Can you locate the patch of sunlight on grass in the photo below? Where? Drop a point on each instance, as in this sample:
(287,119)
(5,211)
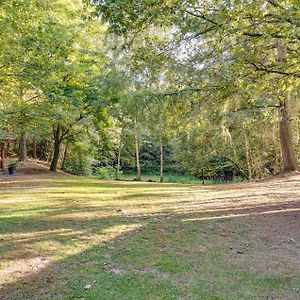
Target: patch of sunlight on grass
(129,240)
(86,241)
(54,250)
(229,216)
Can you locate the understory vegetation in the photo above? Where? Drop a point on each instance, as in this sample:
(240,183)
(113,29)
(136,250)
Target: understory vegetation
(206,89)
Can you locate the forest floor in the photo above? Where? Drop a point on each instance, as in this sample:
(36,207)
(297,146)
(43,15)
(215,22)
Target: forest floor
(68,237)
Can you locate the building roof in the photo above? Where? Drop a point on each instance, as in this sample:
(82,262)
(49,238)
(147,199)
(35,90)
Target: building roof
(7,137)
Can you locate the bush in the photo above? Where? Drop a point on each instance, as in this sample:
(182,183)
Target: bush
(105,172)
(78,165)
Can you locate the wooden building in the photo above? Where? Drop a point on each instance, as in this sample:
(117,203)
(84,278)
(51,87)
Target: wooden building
(5,139)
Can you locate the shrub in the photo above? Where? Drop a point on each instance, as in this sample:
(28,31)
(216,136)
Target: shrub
(78,164)
(105,172)
(13,164)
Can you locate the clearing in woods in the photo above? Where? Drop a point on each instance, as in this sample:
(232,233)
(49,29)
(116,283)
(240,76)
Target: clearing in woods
(67,237)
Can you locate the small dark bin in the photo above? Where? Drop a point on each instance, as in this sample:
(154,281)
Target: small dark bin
(12,170)
(12,167)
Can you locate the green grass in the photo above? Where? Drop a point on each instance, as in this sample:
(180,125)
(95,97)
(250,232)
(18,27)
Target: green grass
(171,178)
(131,240)
(175,178)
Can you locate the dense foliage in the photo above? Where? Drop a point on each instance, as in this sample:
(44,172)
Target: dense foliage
(207,88)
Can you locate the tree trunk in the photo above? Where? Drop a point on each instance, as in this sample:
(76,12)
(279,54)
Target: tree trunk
(161,177)
(285,130)
(64,157)
(2,159)
(49,156)
(34,149)
(286,137)
(137,150)
(48,152)
(56,152)
(22,147)
(118,162)
(247,152)
(120,151)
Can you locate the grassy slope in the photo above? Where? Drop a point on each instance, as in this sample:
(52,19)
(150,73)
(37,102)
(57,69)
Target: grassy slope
(147,241)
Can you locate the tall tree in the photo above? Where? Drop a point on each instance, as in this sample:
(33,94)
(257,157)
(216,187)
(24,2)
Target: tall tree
(241,35)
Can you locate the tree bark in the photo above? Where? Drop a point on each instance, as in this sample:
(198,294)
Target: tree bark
(48,153)
(56,150)
(119,152)
(49,156)
(22,147)
(161,177)
(247,154)
(34,149)
(137,150)
(64,157)
(286,137)
(2,158)
(285,129)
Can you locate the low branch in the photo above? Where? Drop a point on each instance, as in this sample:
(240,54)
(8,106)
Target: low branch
(272,35)
(265,69)
(201,16)
(257,107)
(65,132)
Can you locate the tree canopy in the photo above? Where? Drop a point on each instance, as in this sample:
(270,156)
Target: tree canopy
(197,87)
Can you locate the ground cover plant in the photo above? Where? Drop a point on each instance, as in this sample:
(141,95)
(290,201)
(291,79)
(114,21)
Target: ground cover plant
(69,237)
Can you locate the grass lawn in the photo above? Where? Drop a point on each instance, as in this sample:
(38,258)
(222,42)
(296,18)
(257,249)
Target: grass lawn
(70,237)
(168,178)
(174,178)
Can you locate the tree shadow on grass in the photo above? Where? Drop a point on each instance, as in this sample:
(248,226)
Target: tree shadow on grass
(168,255)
